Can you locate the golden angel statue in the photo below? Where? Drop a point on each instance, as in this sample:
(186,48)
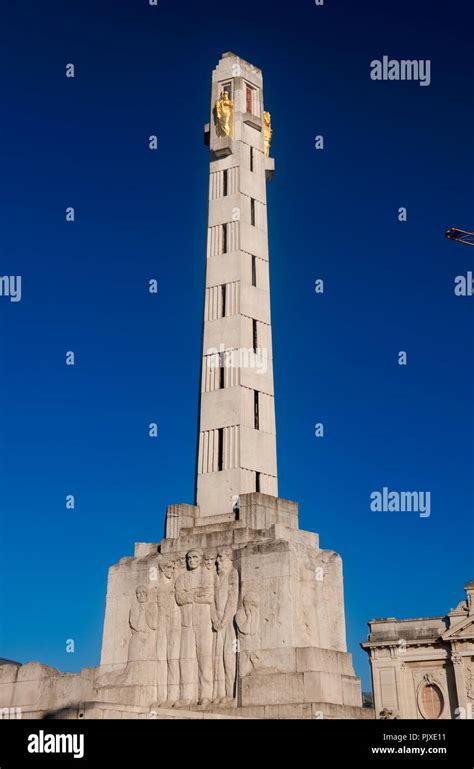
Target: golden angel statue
(223,114)
(267,132)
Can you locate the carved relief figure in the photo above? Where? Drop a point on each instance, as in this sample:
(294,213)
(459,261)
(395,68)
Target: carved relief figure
(141,652)
(247,618)
(195,595)
(223,112)
(168,632)
(209,560)
(226,593)
(388,715)
(267,132)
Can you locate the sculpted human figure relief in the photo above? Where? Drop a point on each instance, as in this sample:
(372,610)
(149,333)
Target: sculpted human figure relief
(223,114)
(247,618)
(195,595)
(168,632)
(226,594)
(141,652)
(386,714)
(140,616)
(267,132)
(209,560)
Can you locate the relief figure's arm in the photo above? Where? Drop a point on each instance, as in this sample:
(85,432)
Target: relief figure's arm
(204,595)
(232,600)
(183,596)
(132,620)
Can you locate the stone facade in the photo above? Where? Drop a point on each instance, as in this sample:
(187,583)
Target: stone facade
(424,668)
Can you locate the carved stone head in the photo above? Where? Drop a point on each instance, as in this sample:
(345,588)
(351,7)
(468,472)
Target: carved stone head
(224,561)
(142,594)
(167,568)
(194,559)
(209,560)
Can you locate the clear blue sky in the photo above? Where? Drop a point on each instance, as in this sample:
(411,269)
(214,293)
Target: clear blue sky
(143,70)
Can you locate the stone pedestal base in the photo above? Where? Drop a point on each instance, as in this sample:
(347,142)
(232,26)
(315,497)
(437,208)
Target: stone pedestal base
(289,627)
(279,651)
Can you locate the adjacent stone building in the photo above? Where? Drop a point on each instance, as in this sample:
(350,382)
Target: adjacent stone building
(424,668)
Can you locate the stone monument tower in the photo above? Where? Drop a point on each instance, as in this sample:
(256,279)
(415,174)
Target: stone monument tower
(251,609)
(236,612)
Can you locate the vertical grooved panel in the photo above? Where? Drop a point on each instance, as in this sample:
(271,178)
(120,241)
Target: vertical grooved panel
(201,444)
(227,447)
(232,447)
(211,371)
(216,183)
(268,485)
(264,339)
(247,406)
(213,305)
(204,453)
(262,274)
(215,453)
(267,413)
(208,444)
(247,268)
(247,485)
(215,239)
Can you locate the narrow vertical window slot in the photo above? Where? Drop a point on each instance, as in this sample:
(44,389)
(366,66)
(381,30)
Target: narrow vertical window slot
(254,335)
(251,158)
(254,270)
(257,481)
(221,370)
(252,212)
(256,416)
(223,299)
(224,238)
(220,448)
(225,183)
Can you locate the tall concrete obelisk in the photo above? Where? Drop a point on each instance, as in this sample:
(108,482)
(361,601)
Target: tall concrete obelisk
(237,436)
(236,610)
(256,604)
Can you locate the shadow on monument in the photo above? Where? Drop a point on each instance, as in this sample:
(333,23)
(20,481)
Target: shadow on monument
(73,711)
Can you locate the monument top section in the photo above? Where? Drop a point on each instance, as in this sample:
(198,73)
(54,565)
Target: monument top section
(243,62)
(237,433)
